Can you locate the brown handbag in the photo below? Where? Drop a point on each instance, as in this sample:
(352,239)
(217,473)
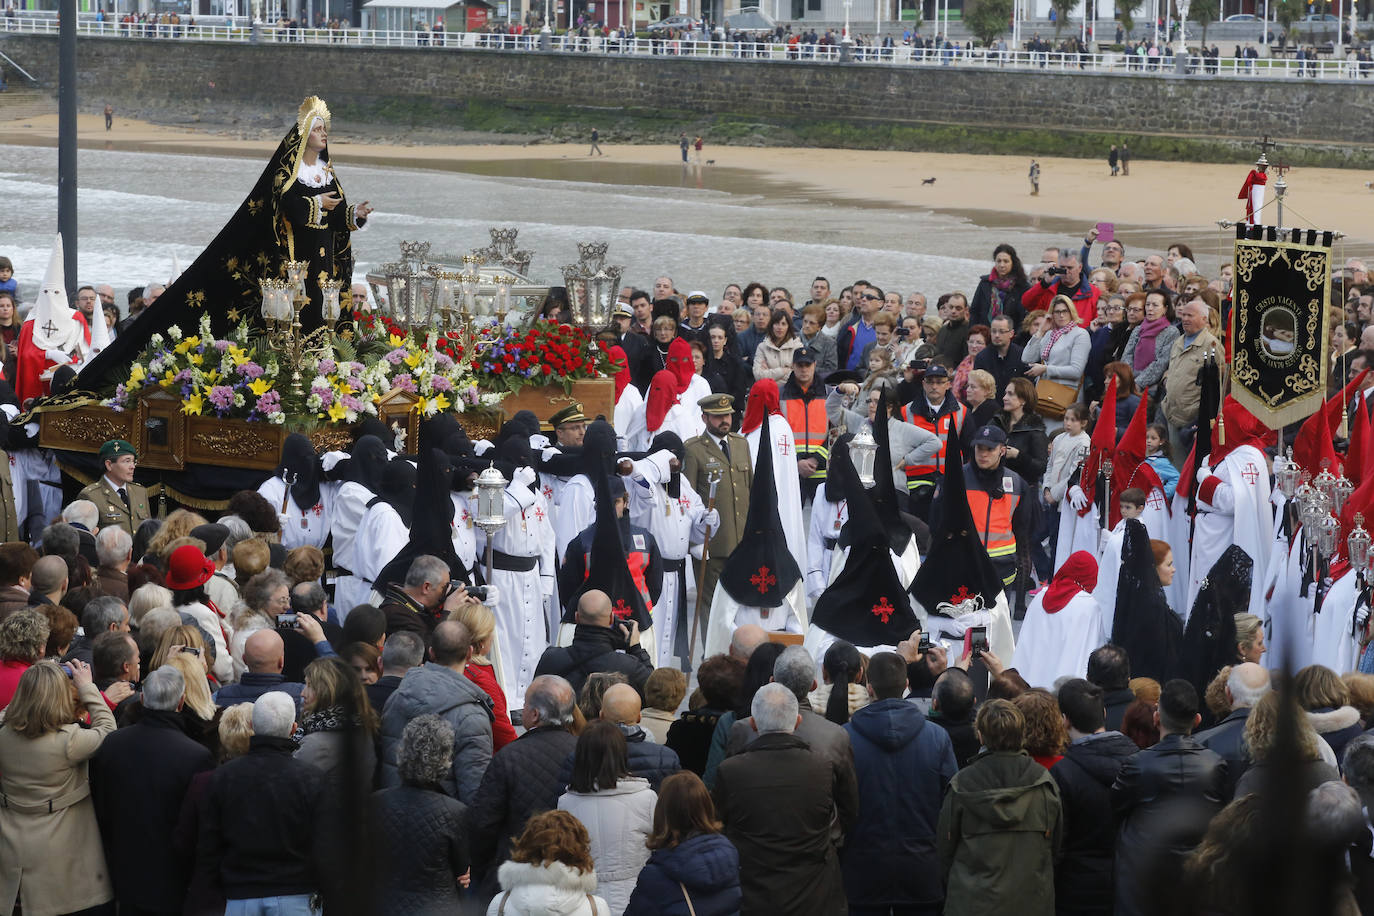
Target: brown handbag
(1052,398)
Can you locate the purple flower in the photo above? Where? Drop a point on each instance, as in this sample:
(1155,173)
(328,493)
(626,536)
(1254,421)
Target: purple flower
(222,397)
(327,366)
(221,345)
(249,369)
(441,383)
(404,382)
(442,361)
(396,356)
(351,402)
(269,402)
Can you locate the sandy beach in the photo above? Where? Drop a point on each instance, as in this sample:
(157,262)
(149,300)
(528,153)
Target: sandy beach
(1166,196)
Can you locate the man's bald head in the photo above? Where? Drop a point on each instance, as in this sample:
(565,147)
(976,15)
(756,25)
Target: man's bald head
(1247,684)
(594,608)
(621,705)
(49,575)
(264,652)
(746,639)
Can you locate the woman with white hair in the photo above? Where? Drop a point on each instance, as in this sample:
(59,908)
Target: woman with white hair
(420,841)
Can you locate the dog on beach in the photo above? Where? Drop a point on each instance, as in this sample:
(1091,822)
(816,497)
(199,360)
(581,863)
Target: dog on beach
(927,181)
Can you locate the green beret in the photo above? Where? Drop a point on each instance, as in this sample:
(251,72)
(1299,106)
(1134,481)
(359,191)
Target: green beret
(116,448)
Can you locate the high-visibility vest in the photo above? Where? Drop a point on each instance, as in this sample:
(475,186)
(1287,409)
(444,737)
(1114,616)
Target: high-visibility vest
(637,561)
(923,475)
(992,520)
(810,428)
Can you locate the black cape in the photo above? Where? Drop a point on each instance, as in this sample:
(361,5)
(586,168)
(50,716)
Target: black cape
(957,568)
(866,603)
(760,572)
(1144,626)
(431,526)
(1209,640)
(884,493)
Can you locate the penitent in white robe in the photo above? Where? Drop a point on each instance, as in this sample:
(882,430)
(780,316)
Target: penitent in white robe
(350,505)
(787,482)
(1235,510)
(1057,645)
(305,525)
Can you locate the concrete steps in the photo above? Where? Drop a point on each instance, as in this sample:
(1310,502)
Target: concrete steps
(22,101)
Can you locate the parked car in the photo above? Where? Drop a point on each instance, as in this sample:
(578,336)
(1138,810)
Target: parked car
(673,23)
(1242,17)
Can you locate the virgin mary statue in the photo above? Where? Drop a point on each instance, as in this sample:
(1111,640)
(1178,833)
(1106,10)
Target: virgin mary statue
(296,211)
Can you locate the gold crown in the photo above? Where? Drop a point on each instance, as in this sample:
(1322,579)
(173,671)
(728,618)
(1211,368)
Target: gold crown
(313,107)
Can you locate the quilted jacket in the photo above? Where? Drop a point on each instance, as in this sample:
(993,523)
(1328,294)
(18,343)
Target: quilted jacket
(619,820)
(521,781)
(421,849)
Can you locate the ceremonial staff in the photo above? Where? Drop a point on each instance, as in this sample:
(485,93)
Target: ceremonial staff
(714,479)
(286,489)
(1208,414)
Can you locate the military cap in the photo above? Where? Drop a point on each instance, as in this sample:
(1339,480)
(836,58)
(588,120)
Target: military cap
(717,404)
(116,448)
(570,414)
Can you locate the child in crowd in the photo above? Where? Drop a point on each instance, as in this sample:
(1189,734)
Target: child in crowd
(1157,453)
(7,282)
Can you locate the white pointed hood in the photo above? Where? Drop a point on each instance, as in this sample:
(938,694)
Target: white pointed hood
(55,325)
(100,333)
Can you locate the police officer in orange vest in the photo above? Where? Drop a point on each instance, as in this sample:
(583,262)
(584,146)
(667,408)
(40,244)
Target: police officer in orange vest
(803,404)
(935,410)
(1000,504)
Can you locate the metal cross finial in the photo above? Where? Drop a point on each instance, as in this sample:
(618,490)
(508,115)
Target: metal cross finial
(1281,168)
(1265,146)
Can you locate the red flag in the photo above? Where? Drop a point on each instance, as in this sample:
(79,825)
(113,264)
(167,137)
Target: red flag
(1103,444)
(1314,441)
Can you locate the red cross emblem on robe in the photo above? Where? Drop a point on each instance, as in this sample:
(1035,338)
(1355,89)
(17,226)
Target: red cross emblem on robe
(1251,473)
(621,610)
(763,580)
(539,513)
(883,610)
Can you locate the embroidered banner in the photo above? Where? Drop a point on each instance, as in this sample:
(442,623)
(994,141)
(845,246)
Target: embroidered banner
(1278,323)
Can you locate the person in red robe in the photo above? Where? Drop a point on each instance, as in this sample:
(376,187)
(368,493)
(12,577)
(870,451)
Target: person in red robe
(1252,192)
(55,335)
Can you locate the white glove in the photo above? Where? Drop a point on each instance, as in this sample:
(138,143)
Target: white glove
(711,519)
(283,521)
(482,446)
(523,475)
(539,441)
(329,459)
(1078,500)
(57,356)
(549,453)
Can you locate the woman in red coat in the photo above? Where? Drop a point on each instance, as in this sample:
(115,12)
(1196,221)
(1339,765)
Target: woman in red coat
(481,623)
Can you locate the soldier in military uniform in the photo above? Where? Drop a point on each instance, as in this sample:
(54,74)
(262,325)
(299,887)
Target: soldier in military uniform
(719,451)
(120,501)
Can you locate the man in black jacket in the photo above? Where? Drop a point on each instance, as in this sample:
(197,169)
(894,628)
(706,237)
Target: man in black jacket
(1083,877)
(597,646)
(523,778)
(1164,797)
(1245,686)
(261,833)
(951,708)
(1110,668)
(139,778)
(1001,357)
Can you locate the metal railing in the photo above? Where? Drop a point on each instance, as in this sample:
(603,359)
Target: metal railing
(901,55)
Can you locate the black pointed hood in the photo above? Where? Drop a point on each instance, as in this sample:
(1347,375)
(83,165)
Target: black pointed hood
(608,568)
(1143,623)
(761,571)
(301,465)
(1209,639)
(431,527)
(957,568)
(398,488)
(866,603)
(365,465)
(884,494)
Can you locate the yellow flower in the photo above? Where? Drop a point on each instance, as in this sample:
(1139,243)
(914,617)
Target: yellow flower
(169,379)
(211,376)
(193,404)
(238,354)
(259,386)
(197,359)
(414,359)
(397,341)
(441,402)
(137,374)
(337,411)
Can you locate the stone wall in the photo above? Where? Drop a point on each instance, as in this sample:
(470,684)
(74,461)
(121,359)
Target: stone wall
(396,84)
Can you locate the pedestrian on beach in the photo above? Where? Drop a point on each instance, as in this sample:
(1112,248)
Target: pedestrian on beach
(1112,161)
(1035,178)
(1125,159)
(596,145)
(683,144)
(109,117)
(698,145)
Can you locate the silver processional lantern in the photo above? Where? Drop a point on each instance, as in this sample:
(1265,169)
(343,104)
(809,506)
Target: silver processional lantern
(592,285)
(1341,491)
(1357,545)
(863,449)
(1328,536)
(491,506)
(1287,473)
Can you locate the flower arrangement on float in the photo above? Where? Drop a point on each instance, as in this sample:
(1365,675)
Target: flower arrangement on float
(239,377)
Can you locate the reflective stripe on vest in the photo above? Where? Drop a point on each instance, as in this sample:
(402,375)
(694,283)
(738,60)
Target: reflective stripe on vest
(940,428)
(810,429)
(992,519)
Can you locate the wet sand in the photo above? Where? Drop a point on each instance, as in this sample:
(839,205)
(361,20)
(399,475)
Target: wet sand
(1158,203)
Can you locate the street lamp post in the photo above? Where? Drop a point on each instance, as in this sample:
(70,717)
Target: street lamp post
(846,42)
(546,33)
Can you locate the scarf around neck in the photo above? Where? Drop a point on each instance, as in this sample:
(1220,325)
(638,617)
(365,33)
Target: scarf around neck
(1145,346)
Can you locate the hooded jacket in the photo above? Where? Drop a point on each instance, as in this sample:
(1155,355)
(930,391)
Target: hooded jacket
(704,866)
(1001,826)
(443,692)
(1083,878)
(547,889)
(903,764)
